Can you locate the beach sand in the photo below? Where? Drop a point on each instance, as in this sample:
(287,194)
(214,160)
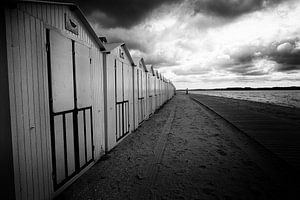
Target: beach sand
(184,151)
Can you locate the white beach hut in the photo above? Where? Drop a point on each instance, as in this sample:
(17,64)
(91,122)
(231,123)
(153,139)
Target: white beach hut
(119,93)
(140,84)
(151,99)
(157,89)
(52,96)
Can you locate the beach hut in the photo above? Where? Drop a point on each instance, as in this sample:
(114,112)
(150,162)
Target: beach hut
(157,90)
(119,93)
(52,119)
(153,89)
(169,90)
(166,89)
(160,89)
(151,82)
(140,83)
(163,90)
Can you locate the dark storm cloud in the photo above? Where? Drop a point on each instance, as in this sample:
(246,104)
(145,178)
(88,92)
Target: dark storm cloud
(242,61)
(127,13)
(131,43)
(287,68)
(119,13)
(231,8)
(285,54)
(247,69)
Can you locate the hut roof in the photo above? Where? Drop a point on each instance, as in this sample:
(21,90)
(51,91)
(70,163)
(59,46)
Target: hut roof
(75,9)
(111,46)
(138,60)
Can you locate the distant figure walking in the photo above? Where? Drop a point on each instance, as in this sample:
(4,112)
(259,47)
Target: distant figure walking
(187,91)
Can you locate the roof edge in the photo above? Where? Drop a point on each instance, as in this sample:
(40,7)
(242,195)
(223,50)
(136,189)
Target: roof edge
(80,14)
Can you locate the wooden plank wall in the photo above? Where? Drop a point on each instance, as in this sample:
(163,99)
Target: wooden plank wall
(53,15)
(135,97)
(111,100)
(29,105)
(98,102)
(28,93)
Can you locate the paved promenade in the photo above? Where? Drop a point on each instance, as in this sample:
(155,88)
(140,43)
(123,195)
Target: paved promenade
(280,134)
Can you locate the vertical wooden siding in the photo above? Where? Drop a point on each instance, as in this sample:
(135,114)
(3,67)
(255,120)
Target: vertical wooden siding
(29,101)
(98,102)
(29,105)
(54,15)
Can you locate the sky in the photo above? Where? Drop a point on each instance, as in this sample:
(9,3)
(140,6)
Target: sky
(207,43)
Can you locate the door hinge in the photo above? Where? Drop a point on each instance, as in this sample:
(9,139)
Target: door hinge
(53,176)
(47,47)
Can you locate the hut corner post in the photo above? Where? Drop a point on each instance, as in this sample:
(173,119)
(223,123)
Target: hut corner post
(6,166)
(105,101)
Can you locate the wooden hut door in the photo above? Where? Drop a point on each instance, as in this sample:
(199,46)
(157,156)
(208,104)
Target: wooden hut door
(122,83)
(140,96)
(70,106)
(149,95)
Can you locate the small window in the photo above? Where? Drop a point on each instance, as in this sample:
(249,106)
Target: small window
(71,25)
(121,53)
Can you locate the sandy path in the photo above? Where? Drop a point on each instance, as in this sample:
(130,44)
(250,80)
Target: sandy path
(199,160)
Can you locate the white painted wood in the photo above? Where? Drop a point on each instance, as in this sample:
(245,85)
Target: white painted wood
(61,72)
(14,122)
(83,75)
(29,96)
(36,128)
(19,108)
(47,160)
(88,135)
(25,99)
(40,109)
(81,138)
(59,148)
(70,143)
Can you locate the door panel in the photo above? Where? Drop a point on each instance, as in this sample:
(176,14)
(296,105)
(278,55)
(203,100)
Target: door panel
(81,138)
(126,76)
(70,143)
(70,116)
(59,148)
(89,139)
(61,72)
(83,75)
(119,81)
(122,99)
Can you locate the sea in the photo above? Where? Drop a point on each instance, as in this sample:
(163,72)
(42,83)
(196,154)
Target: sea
(289,98)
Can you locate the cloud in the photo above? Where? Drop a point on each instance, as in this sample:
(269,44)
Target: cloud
(211,43)
(119,13)
(194,70)
(284,48)
(159,61)
(258,60)
(286,54)
(231,8)
(128,13)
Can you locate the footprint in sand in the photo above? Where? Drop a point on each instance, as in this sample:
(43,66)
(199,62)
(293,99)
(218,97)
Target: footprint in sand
(221,152)
(202,139)
(208,191)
